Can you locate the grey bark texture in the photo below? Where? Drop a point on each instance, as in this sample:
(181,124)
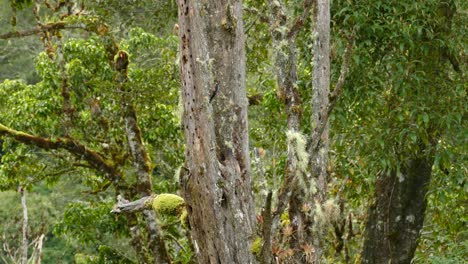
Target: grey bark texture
(320,93)
(24,245)
(216,184)
(397,215)
(286,77)
(141,162)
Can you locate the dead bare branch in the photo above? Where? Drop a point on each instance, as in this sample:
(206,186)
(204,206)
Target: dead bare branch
(124,206)
(334,95)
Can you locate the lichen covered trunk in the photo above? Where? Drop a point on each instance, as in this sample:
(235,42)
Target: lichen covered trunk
(397,215)
(217,181)
(320,101)
(320,93)
(143,186)
(285,60)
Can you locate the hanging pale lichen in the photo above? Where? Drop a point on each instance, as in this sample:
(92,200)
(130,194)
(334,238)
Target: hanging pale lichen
(325,215)
(297,145)
(331,211)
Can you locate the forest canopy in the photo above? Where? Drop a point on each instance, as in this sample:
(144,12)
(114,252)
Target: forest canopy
(285,131)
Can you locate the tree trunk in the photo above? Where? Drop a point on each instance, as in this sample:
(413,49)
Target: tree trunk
(24,245)
(397,216)
(217,181)
(320,93)
(320,104)
(286,77)
(142,166)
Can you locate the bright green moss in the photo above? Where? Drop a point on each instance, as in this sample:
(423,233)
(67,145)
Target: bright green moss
(168,204)
(256,247)
(184,220)
(285,219)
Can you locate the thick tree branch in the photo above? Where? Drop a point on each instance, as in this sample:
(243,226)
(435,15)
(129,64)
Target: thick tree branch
(333,96)
(124,206)
(140,160)
(41,28)
(72,146)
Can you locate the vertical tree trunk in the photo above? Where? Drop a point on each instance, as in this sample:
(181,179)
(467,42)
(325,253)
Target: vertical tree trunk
(142,166)
(320,93)
(286,77)
(397,216)
(24,245)
(217,182)
(320,102)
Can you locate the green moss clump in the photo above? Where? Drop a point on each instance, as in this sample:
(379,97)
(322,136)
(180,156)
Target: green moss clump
(256,247)
(184,220)
(168,204)
(285,219)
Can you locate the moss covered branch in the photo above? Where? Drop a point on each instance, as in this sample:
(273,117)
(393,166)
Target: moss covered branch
(163,204)
(94,158)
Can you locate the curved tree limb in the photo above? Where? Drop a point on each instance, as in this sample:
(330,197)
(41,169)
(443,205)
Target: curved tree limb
(74,147)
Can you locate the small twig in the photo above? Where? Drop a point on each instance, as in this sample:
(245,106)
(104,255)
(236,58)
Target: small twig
(101,188)
(261,172)
(176,241)
(341,189)
(344,71)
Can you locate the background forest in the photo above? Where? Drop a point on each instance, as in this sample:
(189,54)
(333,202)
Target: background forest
(91,108)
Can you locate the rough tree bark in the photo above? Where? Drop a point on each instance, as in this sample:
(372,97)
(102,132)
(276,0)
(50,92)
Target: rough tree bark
(216,183)
(24,245)
(141,163)
(397,216)
(320,102)
(285,58)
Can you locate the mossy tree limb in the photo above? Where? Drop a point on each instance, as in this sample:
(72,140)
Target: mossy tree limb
(74,147)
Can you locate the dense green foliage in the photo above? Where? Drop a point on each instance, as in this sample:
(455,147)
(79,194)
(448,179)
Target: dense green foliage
(405,96)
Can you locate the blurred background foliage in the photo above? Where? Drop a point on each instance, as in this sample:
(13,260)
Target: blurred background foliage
(397,97)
